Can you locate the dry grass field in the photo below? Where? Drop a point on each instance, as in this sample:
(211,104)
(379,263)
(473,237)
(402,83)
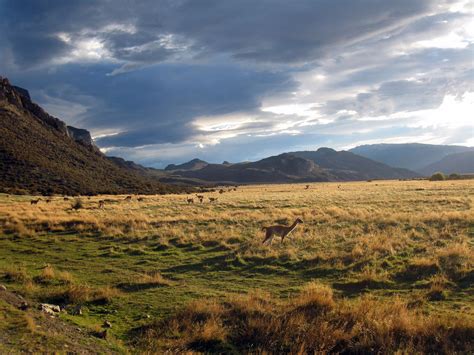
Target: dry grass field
(379,267)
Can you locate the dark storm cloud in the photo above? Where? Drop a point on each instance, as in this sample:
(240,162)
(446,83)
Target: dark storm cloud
(157,104)
(142,73)
(271,31)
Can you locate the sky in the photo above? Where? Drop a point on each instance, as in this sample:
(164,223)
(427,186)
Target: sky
(161,82)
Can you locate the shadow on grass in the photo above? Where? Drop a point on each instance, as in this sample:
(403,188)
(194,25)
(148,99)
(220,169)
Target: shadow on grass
(136,287)
(362,285)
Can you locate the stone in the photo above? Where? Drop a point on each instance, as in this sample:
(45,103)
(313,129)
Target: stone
(103,334)
(77,311)
(50,309)
(107,324)
(3,288)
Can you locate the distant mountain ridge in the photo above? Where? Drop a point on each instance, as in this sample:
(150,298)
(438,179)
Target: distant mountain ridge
(413,156)
(41,154)
(325,164)
(194,164)
(460,163)
(349,166)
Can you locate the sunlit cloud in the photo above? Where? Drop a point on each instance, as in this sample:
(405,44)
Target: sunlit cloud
(163,81)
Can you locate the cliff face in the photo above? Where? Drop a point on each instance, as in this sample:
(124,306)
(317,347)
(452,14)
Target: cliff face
(39,153)
(19,98)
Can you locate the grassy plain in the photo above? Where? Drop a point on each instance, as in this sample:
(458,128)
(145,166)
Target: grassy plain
(377,266)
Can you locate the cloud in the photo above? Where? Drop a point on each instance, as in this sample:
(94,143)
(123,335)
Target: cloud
(243,78)
(153,31)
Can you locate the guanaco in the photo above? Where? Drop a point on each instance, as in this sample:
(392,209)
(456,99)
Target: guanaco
(190,200)
(279,230)
(34,202)
(128,198)
(101,204)
(212,199)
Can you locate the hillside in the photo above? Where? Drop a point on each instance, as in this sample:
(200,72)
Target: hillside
(194,164)
(324,164)
(461,163)
(413,156)
(41,154)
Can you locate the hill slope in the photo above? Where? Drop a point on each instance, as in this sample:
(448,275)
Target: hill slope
(413,156)
(40,154)
(462,163)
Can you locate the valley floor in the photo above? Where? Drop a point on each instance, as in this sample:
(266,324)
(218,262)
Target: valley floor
(376,266)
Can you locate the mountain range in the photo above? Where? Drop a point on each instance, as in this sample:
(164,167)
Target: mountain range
(422,158)
(324,164)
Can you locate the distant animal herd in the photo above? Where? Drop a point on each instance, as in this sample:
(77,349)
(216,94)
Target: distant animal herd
(270,231)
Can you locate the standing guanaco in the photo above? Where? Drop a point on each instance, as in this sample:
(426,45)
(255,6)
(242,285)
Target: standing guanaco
(279,230)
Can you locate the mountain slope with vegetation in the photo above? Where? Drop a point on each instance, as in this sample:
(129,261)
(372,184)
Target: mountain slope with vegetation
(40,154)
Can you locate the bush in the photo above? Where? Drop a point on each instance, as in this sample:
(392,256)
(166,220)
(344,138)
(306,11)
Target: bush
(77,204)
(454,176)
(437,177)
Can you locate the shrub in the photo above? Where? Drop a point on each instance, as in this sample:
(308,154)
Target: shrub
(77,294)
(454,176)
(77,204)
(17,275)
(153,278)
(455,259)
(438,286)
(438,177)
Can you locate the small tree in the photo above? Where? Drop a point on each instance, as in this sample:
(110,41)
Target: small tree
(437,177)
(454,176)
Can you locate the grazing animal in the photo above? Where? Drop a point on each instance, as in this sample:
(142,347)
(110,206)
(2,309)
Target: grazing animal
(212,199)
(221,191)
(307,187)
(281,231)
(101,204)
(34,202)
(190,200)
(66,198)
(128,198)
(140,199)
(48,200)
(200,197)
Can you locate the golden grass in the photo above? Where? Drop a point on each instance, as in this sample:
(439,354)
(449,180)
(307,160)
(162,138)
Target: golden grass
(82,293)
(152,278)
(17,274)
(412,238)
(309,322)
